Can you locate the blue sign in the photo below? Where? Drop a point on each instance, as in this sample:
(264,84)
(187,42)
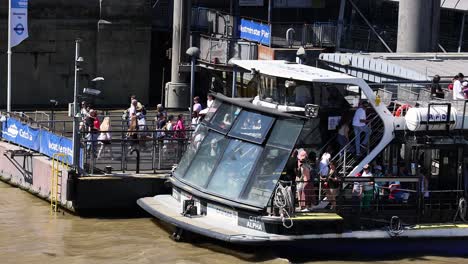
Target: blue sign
(255,31)
(52,144)
(21,134)
(38,140)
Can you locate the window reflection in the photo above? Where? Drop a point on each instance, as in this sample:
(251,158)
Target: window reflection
(266,176)
(225,116)
(212,110)
(202,165)
(285,133)
(234,169)
(252,126)
(195,142)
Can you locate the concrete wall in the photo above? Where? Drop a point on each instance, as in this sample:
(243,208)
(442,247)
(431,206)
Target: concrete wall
(42,66)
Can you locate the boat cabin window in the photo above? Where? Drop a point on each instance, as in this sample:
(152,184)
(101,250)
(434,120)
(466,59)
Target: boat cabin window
(198,135)
(245,164)
(206,158)
(273,161)
(212,110)
(252,126)
(299,93)
(224,117)
(234,168)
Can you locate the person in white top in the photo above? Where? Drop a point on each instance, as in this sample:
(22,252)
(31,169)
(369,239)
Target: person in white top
(360,125)
(458,89)
(105,138)
(210,100)
(324,162)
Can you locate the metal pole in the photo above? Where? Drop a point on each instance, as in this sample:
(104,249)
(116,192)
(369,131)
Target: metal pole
(340,24)
(76,138)
(192,84)
(9,59)
(270,10)
(460,41)
(234,81)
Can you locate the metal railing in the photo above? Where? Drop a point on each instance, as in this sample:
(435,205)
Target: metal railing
(219,50)
(318,34)
(136,151)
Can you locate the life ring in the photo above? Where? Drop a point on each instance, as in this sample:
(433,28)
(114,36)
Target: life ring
(399,111)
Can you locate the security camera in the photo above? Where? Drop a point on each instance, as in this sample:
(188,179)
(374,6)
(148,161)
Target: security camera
(53,102)
(80,59)
(91,91)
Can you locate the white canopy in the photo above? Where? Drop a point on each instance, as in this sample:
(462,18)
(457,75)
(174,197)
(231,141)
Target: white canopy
(288,70)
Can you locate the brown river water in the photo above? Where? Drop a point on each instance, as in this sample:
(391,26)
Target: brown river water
(30,234)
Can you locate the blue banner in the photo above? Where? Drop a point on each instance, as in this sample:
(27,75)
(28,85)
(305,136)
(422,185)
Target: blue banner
(21,134)
(255,31)
(52,144)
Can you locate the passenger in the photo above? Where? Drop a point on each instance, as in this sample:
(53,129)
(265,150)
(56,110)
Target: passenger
(196,104)
(132,132)
(132,110)
(333,184)
(450,86)
(105,138)
(195,119)
(303,95)
(465,89)
(378,185)
(161,125)
(457,88)
(343,131)
(305,187)
(423,175)
(436,89)
(84,111)
(160,111)
(325,161)
(357,195)
(367,188)
(179,127)
(209,100)
(360,125)
(92,125)
(170,126)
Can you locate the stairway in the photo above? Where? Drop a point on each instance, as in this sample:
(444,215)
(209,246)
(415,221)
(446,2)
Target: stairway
(346,161)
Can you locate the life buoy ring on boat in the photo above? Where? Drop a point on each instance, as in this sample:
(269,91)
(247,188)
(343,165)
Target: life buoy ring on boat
(399,111)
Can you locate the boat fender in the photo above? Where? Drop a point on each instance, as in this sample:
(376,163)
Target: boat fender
(461,211)
(399,111)
(395,229)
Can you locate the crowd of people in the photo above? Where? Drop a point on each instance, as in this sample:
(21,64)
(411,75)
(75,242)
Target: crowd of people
(458,87)
(99,137)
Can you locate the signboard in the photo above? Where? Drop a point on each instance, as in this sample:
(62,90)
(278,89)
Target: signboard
(21,134)
(52,144)
(18,21)
(265,53)
(250,2)
(333,122)
(255,31)
(299,3)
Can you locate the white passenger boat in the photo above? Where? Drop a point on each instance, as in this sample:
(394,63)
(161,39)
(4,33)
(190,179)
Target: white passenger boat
(233,183)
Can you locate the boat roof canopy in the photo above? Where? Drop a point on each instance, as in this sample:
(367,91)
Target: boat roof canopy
(294,71)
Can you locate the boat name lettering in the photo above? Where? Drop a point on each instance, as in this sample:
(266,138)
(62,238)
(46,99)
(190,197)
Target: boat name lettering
(437,117)
(252,222)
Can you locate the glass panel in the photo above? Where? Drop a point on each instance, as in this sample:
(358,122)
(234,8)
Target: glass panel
(252,126)
(195,142)
(234,169)
(266,176)
(212,110)
(203,163)
(225,116)
(285,133)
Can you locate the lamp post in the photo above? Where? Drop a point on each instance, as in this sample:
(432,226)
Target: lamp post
(193,52)
(53,105)
(76,139)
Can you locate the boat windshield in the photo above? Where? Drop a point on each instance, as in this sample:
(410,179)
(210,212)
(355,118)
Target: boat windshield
(241,161)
